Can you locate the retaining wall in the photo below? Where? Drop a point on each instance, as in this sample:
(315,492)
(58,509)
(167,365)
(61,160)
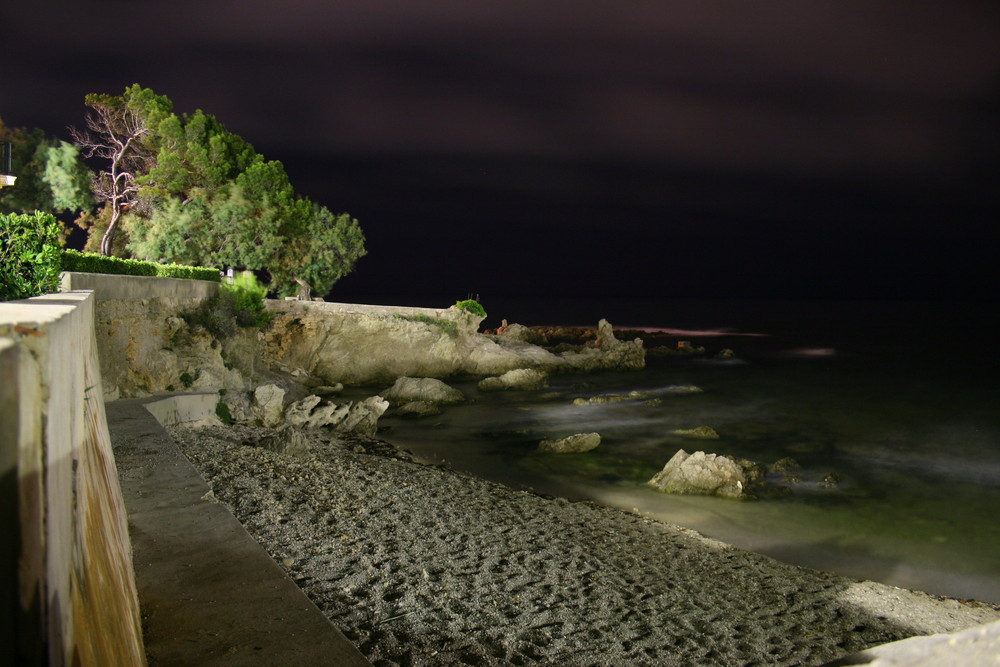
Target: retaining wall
(109,287)
(69,591)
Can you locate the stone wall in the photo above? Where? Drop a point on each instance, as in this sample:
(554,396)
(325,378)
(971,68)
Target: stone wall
(69,594)
(107,287)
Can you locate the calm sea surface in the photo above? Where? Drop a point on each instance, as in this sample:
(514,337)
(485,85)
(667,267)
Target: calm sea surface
(898,400)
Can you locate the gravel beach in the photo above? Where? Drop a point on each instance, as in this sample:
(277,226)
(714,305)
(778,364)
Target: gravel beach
(420,565)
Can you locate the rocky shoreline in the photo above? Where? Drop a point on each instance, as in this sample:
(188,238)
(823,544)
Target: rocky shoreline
(420,565)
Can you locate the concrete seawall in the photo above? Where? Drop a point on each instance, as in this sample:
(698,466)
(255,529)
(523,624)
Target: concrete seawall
(70,587)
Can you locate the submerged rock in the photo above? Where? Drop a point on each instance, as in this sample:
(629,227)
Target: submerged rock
(603,399)
(581,442)
(519,379)
(428,390)
(418,409)
(788,469)
(699,432)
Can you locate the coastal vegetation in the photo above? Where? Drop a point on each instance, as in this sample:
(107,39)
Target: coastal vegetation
(180,189)
(237,305)
(185,189)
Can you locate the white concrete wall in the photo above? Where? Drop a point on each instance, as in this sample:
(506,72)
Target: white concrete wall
(76,595)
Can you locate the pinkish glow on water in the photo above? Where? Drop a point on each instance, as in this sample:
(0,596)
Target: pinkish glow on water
(812,352)
(694,333)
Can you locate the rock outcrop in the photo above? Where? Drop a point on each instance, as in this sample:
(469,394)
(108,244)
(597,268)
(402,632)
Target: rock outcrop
(362,417)
(707,474)
(519,379)
(313,412)
(146,347)
(268,404)
(581,442)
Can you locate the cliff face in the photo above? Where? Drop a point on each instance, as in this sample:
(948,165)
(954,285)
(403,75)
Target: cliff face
(146,347)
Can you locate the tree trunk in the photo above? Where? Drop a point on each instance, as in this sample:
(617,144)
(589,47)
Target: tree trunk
(108,240)
(305,292)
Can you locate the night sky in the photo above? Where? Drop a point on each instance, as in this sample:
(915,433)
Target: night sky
(796,149)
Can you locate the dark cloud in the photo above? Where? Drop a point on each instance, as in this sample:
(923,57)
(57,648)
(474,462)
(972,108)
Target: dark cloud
(686,123)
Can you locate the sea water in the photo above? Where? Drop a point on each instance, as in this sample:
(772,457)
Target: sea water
(897,400)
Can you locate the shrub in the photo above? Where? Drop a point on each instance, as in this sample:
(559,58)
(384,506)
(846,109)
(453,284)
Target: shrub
(248,300)
(471,306)
(238,305)
(29,255)
(223,413)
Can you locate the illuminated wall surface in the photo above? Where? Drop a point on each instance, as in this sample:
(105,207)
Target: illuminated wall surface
(69,594)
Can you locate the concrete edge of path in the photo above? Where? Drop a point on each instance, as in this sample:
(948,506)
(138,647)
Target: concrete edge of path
(210,595)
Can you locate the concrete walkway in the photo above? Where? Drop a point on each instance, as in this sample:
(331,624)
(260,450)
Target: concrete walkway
(209,593)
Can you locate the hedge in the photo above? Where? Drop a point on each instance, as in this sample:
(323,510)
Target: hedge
(73,260)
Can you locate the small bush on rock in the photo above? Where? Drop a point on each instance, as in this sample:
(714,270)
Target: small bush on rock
(222,412)
(471,306)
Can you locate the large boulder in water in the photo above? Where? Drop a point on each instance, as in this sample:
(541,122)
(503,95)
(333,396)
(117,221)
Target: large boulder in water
(706,474)
(429,390)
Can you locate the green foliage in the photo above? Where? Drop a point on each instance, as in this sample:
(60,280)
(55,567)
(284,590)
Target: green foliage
(67,177)
(206,197)
(248,299)
(238,305)
(50,174)
(450,327)
(187,379)
(471,306)
(73,260)
(223,413)
(29,255)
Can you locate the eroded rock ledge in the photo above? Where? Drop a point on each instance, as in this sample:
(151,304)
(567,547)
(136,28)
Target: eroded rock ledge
(146,347)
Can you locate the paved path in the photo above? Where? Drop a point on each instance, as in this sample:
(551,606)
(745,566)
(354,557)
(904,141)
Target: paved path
(209,593)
